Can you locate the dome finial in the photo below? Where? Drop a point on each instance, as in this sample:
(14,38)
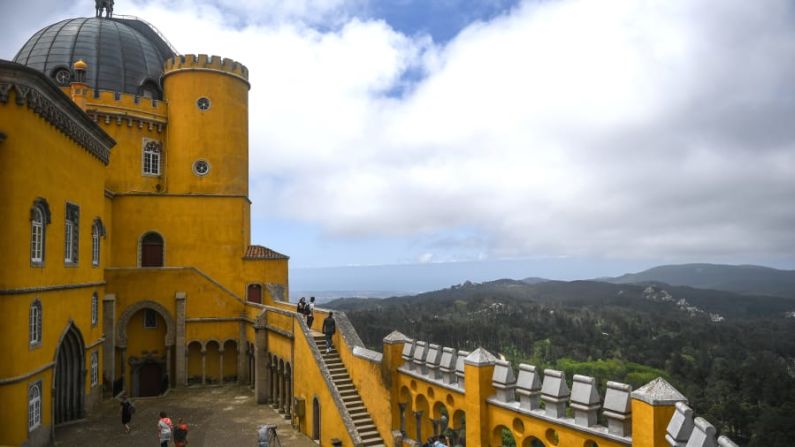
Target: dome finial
(106,5)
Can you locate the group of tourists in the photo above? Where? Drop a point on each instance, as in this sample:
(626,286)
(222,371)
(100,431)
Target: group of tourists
(329,325)
(166,430)
(307,310)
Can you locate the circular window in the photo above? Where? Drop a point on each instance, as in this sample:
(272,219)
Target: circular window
(63,76)
(201,167)
(203,103)
(552,436)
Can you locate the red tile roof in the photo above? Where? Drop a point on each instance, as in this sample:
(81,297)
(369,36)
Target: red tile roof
(260,252)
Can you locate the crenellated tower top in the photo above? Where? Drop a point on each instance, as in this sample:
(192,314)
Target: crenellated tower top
(203,62)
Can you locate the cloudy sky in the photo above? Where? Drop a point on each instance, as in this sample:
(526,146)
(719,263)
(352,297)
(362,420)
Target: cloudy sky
(625,133)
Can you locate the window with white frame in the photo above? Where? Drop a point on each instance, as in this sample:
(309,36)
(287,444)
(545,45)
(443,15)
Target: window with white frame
(94,368)
(71,233)
(39,218)
(94,309)
(34,323)
(151,160)
(94,246)
(97,231)
(37,236)
(34,406)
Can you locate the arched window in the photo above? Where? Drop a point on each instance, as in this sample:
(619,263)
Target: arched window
(97,231)
(254,293)
(39,218)
(35,323)
(151,158)
(94,368)
(71,233)
(94,309)
(34,406)
(152,250)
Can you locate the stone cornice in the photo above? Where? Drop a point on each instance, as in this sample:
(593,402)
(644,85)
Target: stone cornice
(45,99)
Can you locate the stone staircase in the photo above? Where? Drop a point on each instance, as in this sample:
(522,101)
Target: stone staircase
(350,397)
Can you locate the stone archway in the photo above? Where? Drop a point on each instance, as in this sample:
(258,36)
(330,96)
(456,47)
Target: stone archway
(121,336)
(146,369)
(68,399)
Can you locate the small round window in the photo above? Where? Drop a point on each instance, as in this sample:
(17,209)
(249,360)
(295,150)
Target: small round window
(201,167)
(203,103)
(63,76)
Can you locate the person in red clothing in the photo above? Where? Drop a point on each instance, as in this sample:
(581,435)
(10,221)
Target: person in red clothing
(181,434)
(164,429)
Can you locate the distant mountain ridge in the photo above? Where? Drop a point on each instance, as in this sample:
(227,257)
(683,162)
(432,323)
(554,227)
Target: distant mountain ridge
(591,294)
(744,279)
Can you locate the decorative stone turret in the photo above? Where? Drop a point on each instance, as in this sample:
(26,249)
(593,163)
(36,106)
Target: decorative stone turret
(420,353)
(681,426)
(459,366)
(555,393)
(504,381)
(432,360)
(447,365)
(78,86)
(684,431)
(618,408)
(585,400)
(528,386)
(703,434)
(408,354)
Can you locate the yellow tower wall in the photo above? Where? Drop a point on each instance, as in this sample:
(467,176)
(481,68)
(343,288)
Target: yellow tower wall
(218,134)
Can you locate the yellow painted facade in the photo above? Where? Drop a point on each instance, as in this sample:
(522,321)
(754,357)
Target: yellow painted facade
(178,319)
(176,295)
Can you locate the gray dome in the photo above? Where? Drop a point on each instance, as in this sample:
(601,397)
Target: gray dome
(124,55)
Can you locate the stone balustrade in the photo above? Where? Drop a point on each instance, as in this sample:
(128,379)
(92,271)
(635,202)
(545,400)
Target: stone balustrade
(548,397)
(685,431)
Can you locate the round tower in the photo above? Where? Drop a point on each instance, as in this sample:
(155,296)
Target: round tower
(207,131)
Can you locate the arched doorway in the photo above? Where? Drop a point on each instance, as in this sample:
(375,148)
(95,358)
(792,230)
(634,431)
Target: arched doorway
(147,354)
(69,394)
(315,419)
(152,250)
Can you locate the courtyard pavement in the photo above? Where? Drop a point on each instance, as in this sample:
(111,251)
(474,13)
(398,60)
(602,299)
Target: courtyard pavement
(226,416)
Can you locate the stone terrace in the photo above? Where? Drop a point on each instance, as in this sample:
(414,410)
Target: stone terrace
(217,416)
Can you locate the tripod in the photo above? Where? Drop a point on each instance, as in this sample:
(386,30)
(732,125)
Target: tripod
(267,436)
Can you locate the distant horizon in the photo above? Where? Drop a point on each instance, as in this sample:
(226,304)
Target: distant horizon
(408,279)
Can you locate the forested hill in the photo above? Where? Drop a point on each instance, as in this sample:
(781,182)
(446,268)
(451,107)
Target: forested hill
(732,355)
(752,279)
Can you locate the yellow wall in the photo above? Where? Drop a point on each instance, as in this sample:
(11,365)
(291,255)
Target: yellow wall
(649,423)
(128,124)
(70,174)
(47,164)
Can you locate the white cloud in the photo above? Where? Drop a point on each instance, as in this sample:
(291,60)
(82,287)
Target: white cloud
(654,129)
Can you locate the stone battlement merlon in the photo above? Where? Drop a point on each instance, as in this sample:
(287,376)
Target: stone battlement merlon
(547,397)
(121,99)
(205,62)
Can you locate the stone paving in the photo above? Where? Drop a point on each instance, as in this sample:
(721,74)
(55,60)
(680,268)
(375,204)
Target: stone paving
(217,416)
